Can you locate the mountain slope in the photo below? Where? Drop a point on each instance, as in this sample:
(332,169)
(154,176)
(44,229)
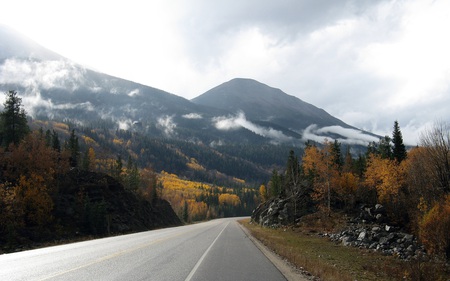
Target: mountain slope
(261,102)
(12,44)
(241,111)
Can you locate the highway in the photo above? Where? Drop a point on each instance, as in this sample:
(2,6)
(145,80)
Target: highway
(214,250)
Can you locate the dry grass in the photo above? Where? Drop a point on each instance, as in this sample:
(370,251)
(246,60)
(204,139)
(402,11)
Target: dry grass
(329,261)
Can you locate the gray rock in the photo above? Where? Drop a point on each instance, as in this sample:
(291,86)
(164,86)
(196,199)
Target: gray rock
(347,240)
(362,235)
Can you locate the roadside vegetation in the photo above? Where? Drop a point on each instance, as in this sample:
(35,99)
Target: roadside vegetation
(412,186)
(317,256)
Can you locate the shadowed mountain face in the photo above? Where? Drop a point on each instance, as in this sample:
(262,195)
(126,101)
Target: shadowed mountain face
(238,111)
(261,102)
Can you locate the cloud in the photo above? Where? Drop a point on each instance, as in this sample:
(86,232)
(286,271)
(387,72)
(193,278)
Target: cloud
(166,124)
(348,135)
(124,124)
(34,103)
(42,74)
(240,121)
(134,93)
(192,116)
(366,62)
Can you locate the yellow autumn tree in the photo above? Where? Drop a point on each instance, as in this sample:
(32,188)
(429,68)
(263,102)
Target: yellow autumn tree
(347,188)
(263,192)
(434,228)
(320,167)
(229,199)
(32,194)
(386,176)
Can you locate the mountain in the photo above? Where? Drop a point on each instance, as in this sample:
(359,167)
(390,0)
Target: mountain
(229,130)
(274,114)
(261,102)
(238,111)
(13,44)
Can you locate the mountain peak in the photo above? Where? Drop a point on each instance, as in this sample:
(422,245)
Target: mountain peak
(261,102)
(14,44)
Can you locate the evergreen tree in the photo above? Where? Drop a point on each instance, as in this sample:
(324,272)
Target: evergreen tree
(385,148)
(292,173)
(399,149)
(337,154)
(118,169)
(13,120)
(48,138)
(185,211)
(74,148)
(275,184)
(56,144)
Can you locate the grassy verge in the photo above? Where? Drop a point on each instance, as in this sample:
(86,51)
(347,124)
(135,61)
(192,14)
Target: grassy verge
(330,261)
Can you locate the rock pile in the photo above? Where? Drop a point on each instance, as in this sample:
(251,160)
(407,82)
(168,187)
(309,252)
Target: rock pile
(272,213)
(370,231)
(281,211)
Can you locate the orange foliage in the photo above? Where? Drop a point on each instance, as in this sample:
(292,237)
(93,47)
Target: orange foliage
(263,192)
(118,141)
(33,156)
(148,181)
(434,229)
(194,165)
(33,195)
(89,141)
(229,199)
(387,176)
(320,166)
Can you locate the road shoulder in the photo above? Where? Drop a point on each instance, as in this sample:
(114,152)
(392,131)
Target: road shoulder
(289,271)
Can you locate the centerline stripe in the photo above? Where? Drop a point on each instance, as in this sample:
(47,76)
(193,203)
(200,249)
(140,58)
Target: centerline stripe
(197,265)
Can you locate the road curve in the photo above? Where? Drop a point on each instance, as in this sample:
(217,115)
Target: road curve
(214,250)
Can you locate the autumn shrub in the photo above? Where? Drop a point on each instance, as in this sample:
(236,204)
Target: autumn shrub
(434,228)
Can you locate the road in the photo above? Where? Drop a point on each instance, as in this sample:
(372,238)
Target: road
(214,250)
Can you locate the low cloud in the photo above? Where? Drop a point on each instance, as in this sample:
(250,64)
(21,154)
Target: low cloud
(134,93)
(240,121)
(192,116)
(167,125)
(348,135)
(34,103)
(41,74)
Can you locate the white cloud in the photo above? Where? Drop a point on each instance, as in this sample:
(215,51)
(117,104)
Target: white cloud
(167,125)
(46,74)
(239,121)
(134,93)
(366,62)
(348,135)
(192,116)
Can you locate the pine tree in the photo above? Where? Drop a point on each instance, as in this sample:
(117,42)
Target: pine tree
(74,148)
(292,173)
(399,149)
(275,184)
(385,148)
(56,144)
(13,120)
(337,154)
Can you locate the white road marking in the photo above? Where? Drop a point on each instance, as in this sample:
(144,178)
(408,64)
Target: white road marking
(197,265)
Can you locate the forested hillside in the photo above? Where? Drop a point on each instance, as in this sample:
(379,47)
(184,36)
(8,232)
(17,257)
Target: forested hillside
(49,190)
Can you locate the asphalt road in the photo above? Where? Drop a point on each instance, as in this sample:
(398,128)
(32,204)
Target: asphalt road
(214,250)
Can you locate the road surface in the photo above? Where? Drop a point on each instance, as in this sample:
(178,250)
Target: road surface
(214,250)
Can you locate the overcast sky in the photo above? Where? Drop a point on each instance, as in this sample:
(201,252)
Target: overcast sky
(366,62)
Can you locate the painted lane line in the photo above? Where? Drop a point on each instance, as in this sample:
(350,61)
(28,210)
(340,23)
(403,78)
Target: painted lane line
(197,265)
